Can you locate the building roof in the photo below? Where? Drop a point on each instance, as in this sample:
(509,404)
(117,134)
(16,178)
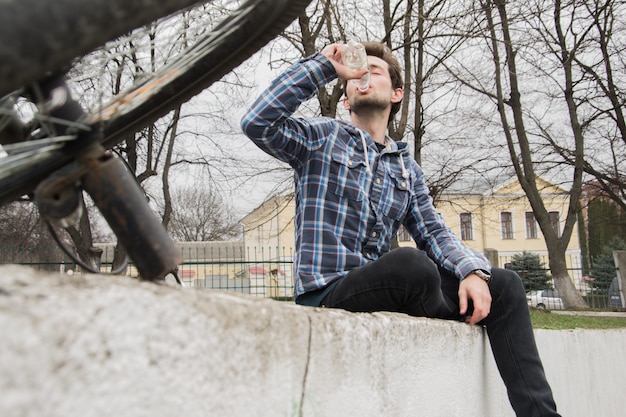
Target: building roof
(499,186)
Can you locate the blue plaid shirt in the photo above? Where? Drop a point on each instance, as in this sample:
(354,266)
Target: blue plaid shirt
(347,210)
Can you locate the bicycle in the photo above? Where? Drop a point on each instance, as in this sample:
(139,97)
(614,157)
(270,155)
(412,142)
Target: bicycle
(67,149)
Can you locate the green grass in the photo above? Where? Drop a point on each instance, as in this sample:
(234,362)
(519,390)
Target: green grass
(552,321)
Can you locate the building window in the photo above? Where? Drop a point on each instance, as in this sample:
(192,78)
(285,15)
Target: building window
(531,225)
(403,235)
(506,224)
(554,221)
(466,226)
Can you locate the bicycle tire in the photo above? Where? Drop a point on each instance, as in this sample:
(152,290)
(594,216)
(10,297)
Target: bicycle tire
(241,35)
(245,33)
(40,36)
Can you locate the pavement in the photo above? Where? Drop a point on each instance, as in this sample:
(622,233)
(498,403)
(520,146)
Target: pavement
(618,314)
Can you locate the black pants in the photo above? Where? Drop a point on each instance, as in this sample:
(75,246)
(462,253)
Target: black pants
(405,280)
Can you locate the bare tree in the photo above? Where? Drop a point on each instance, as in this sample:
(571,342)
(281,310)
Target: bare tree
(201,215)
(426,34)
(574,47)
(597,57)
(20,230)
(23,238)
(521,151)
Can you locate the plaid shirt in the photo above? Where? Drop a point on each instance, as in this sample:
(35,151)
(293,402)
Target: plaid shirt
(347,210)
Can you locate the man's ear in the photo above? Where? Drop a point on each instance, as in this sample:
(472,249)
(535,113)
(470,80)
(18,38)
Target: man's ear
(397,96)
(346,105)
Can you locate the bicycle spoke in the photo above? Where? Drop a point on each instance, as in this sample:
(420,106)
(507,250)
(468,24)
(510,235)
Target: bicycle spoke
(35,146)
(13,163)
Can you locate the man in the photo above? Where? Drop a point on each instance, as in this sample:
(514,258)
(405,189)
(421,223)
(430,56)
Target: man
(354,187)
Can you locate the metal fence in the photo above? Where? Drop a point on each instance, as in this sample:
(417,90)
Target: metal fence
(260,272)
(600,293)
(268,272)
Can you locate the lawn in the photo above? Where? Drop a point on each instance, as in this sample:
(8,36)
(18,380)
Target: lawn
(552,321)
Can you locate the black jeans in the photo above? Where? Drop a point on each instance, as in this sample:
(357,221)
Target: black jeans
(405,280)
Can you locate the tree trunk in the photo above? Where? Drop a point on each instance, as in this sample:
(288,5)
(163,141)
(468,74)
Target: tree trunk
(167,164)
(522,159)
(83,240)
(572,299)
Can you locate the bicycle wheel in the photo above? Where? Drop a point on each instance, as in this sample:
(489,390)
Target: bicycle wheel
(231,42)
(236,38)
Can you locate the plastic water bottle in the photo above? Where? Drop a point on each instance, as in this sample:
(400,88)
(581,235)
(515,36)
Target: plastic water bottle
(355,57)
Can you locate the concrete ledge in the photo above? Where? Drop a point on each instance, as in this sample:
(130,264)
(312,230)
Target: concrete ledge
(100,346)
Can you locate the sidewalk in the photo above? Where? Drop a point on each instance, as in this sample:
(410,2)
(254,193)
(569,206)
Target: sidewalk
(618,314)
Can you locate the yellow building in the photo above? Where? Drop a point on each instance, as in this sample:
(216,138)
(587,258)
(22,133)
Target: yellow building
(219,264)
(498,218)
(269,241)
(501,218)
(270,227)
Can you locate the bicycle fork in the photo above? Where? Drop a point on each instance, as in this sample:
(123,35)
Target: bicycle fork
(123,204)
(116,193)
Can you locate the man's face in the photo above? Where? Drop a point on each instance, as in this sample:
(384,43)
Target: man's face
(380,94)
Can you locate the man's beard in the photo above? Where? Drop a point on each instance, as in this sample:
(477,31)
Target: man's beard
(368,103)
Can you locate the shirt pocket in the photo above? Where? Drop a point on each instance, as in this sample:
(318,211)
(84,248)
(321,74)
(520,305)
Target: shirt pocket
(395,195)
(345,173)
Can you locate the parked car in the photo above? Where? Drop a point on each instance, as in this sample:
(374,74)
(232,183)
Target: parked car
(544,300)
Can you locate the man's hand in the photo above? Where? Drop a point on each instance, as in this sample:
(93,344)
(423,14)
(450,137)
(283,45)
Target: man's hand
(333,53)
(476,289)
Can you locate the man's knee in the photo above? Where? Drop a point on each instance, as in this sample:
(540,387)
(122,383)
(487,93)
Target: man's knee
(413,264)
(508,282)
(411,257)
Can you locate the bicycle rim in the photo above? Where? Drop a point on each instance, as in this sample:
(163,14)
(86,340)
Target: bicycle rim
(234,40)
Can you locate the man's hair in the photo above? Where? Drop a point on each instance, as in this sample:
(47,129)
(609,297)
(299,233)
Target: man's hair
(380,50)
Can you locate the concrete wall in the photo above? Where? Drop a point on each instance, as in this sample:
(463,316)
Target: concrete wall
(101,346)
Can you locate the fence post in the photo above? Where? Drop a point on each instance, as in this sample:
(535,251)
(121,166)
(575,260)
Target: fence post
(492,257)
(620,263)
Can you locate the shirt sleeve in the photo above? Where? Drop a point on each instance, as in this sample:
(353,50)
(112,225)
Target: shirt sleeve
(432,235)
(269,122)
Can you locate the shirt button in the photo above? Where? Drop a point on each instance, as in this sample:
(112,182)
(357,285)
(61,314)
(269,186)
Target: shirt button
(403,184)
(349,163)
(374,234)
(377,180)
